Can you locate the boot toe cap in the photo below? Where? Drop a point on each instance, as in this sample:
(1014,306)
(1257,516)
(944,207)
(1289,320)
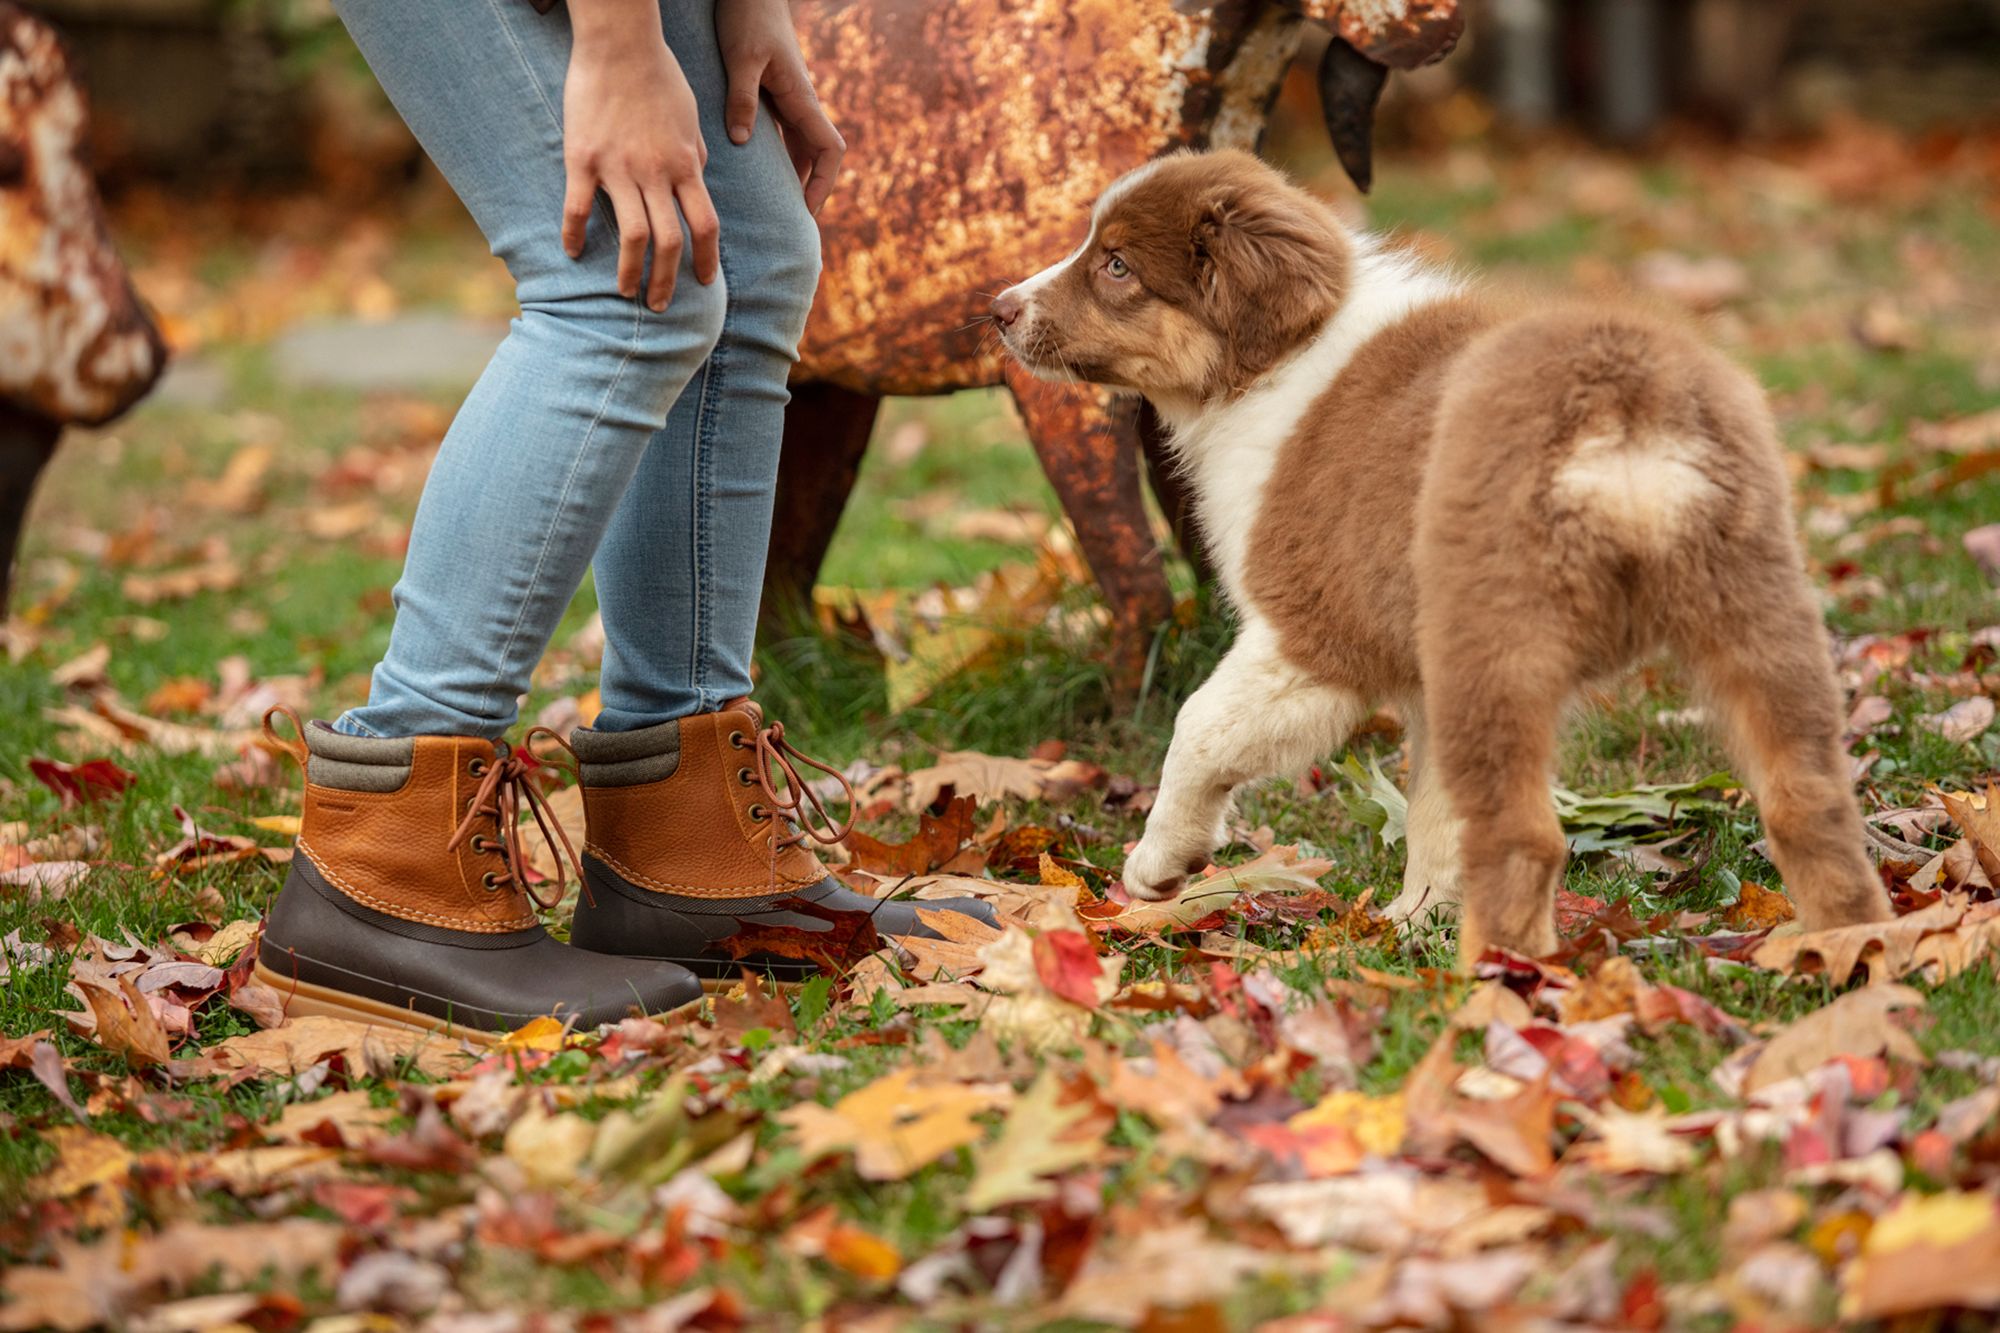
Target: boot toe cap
(650,989)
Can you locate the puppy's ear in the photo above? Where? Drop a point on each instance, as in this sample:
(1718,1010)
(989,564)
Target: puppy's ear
(1273,267)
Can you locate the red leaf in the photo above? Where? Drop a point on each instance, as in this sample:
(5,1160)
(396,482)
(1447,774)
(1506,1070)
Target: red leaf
(1067,963)
(80,784)
(850,937)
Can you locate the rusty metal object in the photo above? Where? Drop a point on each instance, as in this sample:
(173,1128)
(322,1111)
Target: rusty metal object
(979,134)
(75,345)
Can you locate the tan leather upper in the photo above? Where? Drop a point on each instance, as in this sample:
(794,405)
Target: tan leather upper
(704,831)
(386,850)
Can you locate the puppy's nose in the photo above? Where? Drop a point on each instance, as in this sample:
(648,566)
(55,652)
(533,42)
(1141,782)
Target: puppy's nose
(1007,307)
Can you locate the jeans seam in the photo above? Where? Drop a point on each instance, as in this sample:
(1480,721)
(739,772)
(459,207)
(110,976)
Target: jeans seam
(714,374)
(599,204)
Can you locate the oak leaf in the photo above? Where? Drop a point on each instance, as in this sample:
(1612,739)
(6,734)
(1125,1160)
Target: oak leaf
(1858,1023)
(894,1126)
(1046,1134)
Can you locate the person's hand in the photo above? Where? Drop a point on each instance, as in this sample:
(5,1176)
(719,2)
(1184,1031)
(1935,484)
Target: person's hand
(760,50)
(631,129)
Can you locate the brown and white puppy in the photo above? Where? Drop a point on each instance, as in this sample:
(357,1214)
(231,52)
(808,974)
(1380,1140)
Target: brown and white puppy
(1414,491)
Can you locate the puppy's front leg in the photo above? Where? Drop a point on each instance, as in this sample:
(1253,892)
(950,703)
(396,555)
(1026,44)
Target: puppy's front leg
(1255,717)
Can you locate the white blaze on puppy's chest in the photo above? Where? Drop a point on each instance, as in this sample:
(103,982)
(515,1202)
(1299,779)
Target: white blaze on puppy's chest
(1642,486)
(1230,448)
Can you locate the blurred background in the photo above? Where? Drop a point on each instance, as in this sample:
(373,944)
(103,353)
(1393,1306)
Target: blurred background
(1818,181)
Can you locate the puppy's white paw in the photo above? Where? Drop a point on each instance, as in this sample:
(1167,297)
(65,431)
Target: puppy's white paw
(1153,875)
(1418,901)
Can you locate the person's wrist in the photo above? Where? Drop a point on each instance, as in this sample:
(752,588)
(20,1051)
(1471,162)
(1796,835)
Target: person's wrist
(604,29)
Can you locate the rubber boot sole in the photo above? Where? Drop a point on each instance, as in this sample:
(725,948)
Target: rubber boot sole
(302,999)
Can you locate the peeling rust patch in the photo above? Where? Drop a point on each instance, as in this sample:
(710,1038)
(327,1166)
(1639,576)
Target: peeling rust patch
(1401,34)
(75,344)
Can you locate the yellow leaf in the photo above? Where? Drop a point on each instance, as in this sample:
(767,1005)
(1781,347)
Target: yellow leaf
(285,824)
(1043,1136)
(1377,1123)
(862,1254)
(1758,908)
(1929,1252)
(85,1159)
(549,1148)
(1055,876)
(537,1034)
(895,1125)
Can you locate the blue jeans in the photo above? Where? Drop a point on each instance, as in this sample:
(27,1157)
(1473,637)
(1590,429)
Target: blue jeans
(600,427)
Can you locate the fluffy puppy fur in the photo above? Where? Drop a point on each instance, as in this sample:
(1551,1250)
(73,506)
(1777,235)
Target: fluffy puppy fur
(1414,491)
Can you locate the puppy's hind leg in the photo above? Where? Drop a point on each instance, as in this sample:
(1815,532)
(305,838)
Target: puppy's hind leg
(1766,670)
(1256,716)
(1493,710)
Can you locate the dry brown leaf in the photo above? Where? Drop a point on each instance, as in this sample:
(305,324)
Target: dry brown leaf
(1280,870)
(1857,1023)
(84,1160)
(367,1048)
(986,777)
(1049,1131)
(1890,950)
(124,1022)
(895,1125)
(1926,1253)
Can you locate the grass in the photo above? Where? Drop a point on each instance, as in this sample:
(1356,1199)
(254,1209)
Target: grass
(318,610)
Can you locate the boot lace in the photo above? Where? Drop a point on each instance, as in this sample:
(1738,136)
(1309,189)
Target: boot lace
(772,756)
(504,783)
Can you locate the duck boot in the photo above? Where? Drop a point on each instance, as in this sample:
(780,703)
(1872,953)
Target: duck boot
(697,830)
(406,901)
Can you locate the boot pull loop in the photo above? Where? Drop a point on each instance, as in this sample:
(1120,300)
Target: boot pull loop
(296,746)
(575,765)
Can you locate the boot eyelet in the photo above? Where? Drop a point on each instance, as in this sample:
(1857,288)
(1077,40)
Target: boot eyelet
(746,777)
(760,814)
(489,880)
(480,846)
(477,768)
(736,739)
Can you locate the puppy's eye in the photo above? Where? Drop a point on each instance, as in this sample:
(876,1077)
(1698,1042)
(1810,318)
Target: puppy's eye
(1117,268)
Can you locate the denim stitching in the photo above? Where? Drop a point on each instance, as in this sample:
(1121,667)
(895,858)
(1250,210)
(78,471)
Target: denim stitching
(599,204)
(713,376)
(610,391)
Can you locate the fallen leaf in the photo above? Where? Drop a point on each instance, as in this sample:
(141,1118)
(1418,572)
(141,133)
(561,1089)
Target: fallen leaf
(1857,1023)
(81,784)
(1928,1252)
(366,1048)
(1962,723)
(1758,908)
(1049,1131)
(986,777)
(1068,964)
(895,1125)
(124,1022)
(1983,545)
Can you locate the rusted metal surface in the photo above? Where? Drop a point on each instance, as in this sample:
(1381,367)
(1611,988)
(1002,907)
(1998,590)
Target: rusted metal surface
(979,134)
(75,346)
(1401,34)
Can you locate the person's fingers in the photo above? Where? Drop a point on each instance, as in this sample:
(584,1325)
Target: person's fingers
(792,95)
(633,233)
(739,109)
(666,244)
(579,193)
(704,230)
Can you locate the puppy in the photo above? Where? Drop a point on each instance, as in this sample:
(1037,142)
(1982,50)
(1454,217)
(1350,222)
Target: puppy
(1414,491)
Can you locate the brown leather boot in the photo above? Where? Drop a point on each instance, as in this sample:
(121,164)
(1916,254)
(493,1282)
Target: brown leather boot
(690,837)
(406,903)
